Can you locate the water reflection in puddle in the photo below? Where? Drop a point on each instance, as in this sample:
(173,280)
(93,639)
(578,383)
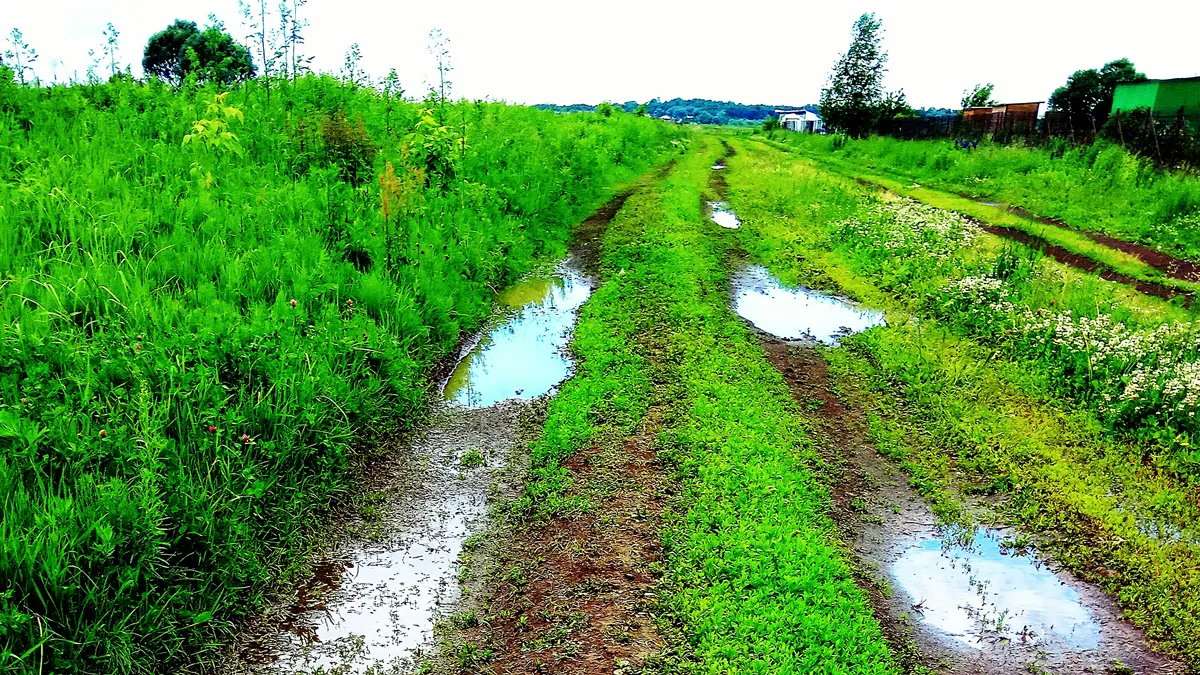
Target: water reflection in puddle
(718,166)
(979,595)
(724,216)
(796,313)
(373,608)
(524,357)
(382,610)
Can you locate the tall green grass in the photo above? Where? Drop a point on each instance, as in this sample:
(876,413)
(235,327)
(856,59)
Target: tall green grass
(1101,187)
(195,340)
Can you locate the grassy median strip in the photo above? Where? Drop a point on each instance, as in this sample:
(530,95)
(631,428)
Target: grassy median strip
(753,575)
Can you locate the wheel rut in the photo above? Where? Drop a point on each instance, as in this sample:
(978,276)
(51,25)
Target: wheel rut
(944,597)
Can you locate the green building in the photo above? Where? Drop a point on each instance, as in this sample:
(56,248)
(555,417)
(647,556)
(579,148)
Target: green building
(1164,97)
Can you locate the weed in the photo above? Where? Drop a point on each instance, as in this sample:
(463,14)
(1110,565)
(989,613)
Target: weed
(201,361)
(471,458)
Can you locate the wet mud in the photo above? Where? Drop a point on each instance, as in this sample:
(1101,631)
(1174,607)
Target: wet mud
(716,182)
(796,314)
(372,605)
(1175,268)
(577,593)
(1080,262)
(587,237)
(961,602)
(1086,264)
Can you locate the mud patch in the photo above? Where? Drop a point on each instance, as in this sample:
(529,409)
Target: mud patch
(577,594)
(373,605)
(947,601)
(1086,264)
(1176,268)
(525,356)
(586,240)
(717,183)
(796,314)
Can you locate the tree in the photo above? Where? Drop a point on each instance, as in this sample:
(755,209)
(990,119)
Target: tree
(1088,94)
(978,97)
(893,107)
(163,57)
(391,91)
(182,49)
(290,27)
(20,56)
(852,98)
(214,56)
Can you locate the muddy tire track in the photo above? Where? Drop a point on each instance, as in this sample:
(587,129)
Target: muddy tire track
(577,594)
(878,514)
(1175,268)
(1081,262)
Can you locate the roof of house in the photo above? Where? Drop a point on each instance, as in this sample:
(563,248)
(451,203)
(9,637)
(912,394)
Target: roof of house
(1194,78)
(800,111)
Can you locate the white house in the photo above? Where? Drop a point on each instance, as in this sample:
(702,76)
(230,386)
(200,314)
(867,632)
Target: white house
(801,120)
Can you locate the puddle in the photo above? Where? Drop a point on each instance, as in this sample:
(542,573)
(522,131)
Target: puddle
(980,595)
(724,216)
(798,314)
(959,600)
(373,607)
(718,166)
(526,356)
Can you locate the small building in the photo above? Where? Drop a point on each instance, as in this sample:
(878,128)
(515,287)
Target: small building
(801,120)
(1163,97)
(1002,117)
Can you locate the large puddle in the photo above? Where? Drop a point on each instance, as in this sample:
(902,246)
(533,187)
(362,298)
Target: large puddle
(373,606)
(721,214)
(797,314)
(526,356)
(979,594)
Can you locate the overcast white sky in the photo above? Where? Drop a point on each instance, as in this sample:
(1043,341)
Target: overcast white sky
(558,51)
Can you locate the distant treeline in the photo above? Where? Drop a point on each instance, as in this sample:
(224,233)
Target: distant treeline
(697,110)
(704,111)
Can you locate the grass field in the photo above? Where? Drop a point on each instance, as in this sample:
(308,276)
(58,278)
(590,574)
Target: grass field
(208,311)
